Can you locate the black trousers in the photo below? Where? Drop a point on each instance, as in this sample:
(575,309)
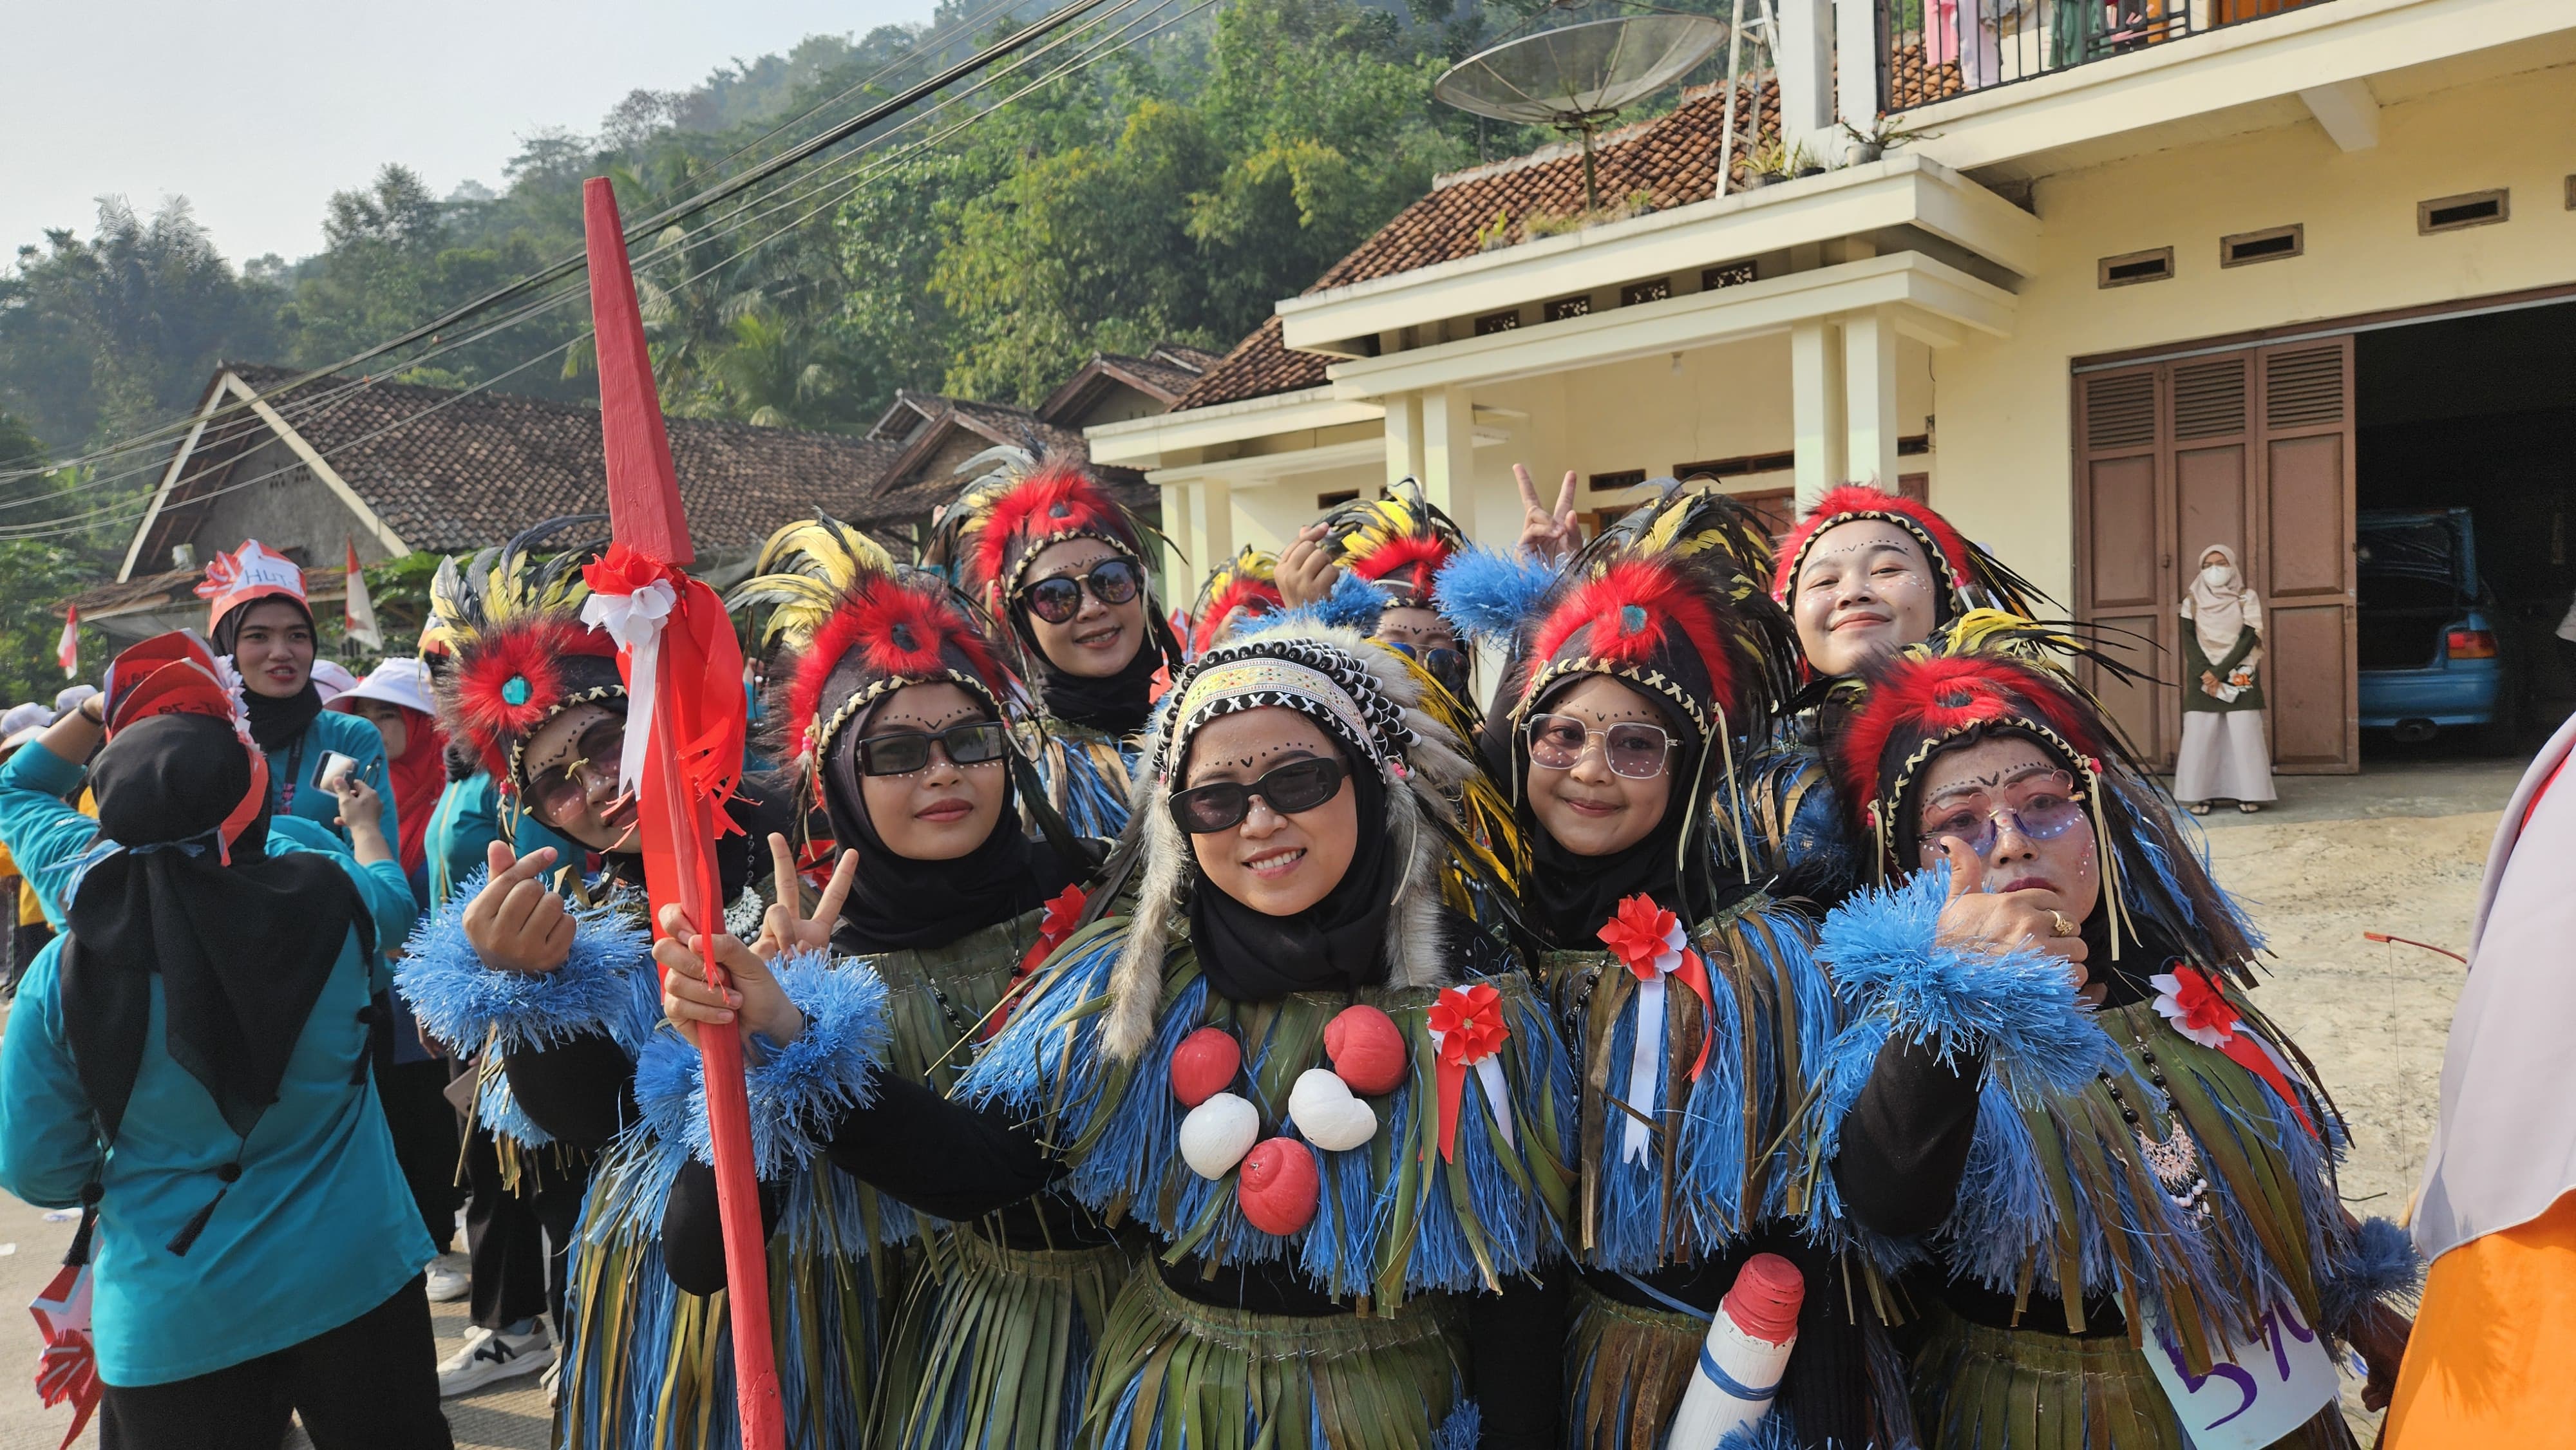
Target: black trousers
(423,1124)
(371,1384)
(517,1245)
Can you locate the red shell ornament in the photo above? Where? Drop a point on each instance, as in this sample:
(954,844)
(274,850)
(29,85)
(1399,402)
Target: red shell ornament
(1277,1187)
(1367,1051)
(1204,1065)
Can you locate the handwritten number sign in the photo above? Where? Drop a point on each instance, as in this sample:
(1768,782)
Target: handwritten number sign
(2256,1392)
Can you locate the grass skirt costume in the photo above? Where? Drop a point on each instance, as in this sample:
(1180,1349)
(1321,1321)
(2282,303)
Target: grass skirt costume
(1460,1187)
(2164,1162)
(1697,1037)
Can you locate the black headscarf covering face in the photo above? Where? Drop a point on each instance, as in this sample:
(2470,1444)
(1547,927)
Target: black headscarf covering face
(274,721)
(1118,704)
(1571,896)
(896,901)
(243,951)
(1336,945)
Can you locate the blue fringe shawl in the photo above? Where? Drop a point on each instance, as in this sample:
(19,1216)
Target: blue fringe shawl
(1735,1165)
(1485,1216)
(797,1090)
(1488,595)
(1087,774)
(461,1001)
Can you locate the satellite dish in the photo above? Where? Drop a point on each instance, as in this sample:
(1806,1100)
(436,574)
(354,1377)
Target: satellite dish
(1576,77)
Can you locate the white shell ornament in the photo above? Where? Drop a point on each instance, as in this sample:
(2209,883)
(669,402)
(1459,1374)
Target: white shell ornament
(1322,1107)
(1217,1133)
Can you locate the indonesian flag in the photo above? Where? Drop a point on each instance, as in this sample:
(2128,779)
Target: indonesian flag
(361,614)
(67,649)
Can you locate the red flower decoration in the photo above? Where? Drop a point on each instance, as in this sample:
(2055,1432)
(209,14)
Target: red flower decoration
(623,571)
(2195,1006)
(1470,1023)
(1646,939)
(1054,927)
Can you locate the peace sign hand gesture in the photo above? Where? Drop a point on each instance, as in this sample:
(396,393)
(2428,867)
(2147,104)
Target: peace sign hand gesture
(1547,535)
(784,927)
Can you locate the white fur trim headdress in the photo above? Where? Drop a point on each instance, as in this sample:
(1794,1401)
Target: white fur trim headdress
(1366,698)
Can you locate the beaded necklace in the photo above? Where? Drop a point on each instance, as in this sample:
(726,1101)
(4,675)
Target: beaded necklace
(2175,1159)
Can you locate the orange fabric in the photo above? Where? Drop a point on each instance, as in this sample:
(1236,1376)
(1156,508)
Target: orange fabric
(2488,1365)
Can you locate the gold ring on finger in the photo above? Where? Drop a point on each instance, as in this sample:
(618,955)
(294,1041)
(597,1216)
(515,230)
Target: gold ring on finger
(2059,925)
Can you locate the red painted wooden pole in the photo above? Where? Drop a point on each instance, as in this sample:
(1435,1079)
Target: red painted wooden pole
(677,819)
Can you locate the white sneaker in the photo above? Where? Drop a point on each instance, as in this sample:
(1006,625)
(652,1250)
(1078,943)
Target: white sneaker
(446,1285)
(491,1355)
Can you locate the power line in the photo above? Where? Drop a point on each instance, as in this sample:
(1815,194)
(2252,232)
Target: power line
(1055,20)
(128,508)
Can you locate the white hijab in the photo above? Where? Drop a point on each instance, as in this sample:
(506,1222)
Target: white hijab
(2218,612)
(2504,1148)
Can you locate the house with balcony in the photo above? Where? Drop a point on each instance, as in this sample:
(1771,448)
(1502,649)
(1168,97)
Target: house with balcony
(2129,278)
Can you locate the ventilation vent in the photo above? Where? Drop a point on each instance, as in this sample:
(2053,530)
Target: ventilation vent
(1624,478)
(1736,467)
(1493,322)
(2269,245)
(2120,412)
(2303,388)
(2124,271)
(1565,307)
(1655,291)
(1736,274)
(1336,500)
(2209,398)
(2459,213)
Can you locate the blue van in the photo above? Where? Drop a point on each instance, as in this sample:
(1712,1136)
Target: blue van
(2428,633)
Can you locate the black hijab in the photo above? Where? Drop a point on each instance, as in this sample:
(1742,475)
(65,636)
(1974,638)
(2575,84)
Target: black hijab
(242,950)
(1569,896)
(274,722)
(1336,945)
(1118,704)
(896,901)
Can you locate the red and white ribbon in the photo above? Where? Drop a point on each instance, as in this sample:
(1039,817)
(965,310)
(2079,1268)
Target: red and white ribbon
(632,605)
(1467,1033)
(2199,1010)
(1650,943)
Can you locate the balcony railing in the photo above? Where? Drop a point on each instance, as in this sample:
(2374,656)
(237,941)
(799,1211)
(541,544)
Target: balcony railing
(1932,50)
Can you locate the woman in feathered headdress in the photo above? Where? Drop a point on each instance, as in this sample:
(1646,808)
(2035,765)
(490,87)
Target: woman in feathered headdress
(1040,546)
(896,725)
(1374,565)
(1313,1084)
(546,971)
(1235,594)
(1639,673)
(2113,1176)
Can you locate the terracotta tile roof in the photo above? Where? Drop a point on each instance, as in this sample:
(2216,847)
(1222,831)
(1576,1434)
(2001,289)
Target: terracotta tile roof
(449,470)
(1672,158)
(1911,82)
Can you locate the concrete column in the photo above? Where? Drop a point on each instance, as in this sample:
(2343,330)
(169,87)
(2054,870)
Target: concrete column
(1856,79)
(1211,535)
(1177,511)
(1404,440)
(1449,454)
(1806,61)
(1816,409)
(1869,396)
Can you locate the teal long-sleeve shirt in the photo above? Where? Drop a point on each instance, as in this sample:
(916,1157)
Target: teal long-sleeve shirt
(321,1226)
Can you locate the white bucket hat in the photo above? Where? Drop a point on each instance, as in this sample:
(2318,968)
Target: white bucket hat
(397,681)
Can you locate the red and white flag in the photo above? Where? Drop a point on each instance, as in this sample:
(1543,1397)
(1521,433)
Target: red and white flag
(67,651)
(361,611)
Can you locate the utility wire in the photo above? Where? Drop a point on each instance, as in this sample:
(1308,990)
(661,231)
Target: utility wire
(133,507)
(577,261)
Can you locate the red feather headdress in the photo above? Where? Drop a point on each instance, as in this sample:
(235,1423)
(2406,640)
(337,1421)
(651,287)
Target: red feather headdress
(1965,570)
(511,623)
(1007,523)
(1249,583)
(1915,702)
(1399,543)
(885,633)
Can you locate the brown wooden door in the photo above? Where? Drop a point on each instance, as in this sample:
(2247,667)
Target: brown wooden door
(2305,546)
(2252,449)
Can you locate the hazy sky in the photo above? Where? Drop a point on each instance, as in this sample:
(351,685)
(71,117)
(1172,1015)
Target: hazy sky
(257,114)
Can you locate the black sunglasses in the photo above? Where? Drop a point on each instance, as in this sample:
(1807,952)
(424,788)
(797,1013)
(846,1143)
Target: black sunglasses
(1292,789)
(557,792)
(1440,662)
(977,742)
(1111,581)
